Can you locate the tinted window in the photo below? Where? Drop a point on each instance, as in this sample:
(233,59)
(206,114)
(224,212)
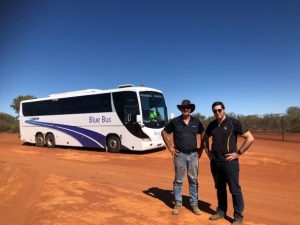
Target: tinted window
(73,105)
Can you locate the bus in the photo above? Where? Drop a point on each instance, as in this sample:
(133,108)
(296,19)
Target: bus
(127,117)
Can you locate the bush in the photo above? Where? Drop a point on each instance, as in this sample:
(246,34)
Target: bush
(8,123)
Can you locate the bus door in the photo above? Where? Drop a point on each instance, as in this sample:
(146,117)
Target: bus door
(127,107)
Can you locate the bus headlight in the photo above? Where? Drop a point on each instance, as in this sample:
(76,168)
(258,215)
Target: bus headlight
(146,139)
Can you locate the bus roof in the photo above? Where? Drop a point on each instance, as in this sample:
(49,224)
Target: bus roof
(95,91)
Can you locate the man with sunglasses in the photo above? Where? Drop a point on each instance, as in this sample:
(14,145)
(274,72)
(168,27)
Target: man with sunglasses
(224,163)
(186,130)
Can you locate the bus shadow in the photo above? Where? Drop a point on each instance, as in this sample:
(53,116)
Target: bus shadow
(124,151)
(62,147)
(28,144)
(136,152)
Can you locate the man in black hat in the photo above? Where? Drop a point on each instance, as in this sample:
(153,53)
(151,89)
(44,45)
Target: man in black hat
(185,129)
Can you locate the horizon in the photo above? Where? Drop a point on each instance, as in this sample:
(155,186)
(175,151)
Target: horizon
(63,95)
(245,54)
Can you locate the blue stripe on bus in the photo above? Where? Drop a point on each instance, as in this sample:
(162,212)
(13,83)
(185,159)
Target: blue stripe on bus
(93,138)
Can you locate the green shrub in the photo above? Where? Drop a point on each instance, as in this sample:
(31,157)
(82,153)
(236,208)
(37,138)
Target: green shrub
(8,123)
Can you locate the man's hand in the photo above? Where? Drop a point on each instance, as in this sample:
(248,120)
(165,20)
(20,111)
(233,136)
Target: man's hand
(200,151)
(231,156)
(173,151)
(169,145)
(199,154)
(208,153)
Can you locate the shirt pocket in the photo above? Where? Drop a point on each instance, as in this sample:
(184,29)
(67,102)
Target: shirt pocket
(194,129)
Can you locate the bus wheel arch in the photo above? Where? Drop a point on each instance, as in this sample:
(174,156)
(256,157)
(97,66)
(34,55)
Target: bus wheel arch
(39,139)
(113,143)
(50,140)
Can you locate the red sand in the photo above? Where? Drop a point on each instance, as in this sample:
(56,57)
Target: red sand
(73,186)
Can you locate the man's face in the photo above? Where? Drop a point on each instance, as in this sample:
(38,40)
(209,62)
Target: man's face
(186,110)
(218,112)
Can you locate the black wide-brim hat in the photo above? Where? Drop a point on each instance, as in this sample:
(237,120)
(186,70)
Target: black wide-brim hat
(188,103)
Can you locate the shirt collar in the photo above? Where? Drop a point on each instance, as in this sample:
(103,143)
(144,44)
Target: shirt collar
(180,118)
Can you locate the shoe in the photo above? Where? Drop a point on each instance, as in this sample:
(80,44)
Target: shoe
(176,209)
(237,222)
(196,210)
(216,216)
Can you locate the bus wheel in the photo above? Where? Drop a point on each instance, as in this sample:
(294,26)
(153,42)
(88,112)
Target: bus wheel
(50,141)
(39,140)
(113,144)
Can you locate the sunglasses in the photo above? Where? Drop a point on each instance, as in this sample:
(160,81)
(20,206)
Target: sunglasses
(185,107)
(217,110)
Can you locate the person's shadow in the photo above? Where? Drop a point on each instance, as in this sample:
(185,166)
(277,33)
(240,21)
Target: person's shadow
(166,196)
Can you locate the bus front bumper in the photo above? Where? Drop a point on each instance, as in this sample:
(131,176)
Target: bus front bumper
(148,145)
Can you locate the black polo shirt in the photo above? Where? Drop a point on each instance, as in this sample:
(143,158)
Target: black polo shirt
(224,137)
(185,136)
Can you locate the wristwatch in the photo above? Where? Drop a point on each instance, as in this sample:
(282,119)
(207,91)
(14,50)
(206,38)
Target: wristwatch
(238,152)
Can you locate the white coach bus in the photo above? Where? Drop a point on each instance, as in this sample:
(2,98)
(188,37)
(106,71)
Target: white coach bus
(127,117)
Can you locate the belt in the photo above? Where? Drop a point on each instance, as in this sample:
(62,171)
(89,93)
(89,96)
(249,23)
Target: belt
(189,152)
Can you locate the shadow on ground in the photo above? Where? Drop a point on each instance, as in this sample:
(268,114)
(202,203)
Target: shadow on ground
(166,196)
(123,151)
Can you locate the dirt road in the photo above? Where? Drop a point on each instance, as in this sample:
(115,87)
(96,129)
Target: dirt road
(74,187)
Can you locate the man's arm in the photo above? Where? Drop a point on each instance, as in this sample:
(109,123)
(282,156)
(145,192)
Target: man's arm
(248,140)
(199,145)
(169,145)
(205,145)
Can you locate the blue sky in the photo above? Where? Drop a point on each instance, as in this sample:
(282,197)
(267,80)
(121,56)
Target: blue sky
(244,53)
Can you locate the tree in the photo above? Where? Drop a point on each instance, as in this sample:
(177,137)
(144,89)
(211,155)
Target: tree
(15,105)
(293,111)
(199,117)
(293,118)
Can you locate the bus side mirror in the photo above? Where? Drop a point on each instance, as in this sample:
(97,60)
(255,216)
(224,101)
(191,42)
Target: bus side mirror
(138,119)
(172,116)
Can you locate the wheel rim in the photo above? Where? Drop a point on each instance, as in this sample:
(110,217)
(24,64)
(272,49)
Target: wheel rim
(49,141)
(113,143)
(39,139)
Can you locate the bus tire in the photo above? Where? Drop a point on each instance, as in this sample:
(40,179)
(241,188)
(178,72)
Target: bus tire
(39,140)
(113,144)
(50,140)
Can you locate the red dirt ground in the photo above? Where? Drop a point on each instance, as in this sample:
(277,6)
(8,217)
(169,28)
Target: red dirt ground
(76,186)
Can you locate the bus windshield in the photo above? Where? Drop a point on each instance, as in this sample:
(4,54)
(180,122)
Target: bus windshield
(154,109)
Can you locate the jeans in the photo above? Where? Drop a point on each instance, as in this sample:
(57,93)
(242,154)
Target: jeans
(228,173)
(190,162)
